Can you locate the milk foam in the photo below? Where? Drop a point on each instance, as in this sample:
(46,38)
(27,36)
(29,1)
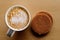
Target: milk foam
(21,17)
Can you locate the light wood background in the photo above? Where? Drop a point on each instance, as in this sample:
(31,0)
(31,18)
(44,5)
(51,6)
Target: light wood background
(34,6)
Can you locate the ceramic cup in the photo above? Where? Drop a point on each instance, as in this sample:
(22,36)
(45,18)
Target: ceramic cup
(11,30)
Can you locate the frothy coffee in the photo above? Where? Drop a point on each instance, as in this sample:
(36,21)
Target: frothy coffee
(18,18)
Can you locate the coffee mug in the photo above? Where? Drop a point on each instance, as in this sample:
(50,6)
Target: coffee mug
(17,16)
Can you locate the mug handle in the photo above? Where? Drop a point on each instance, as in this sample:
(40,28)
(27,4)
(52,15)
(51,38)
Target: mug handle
(10,32)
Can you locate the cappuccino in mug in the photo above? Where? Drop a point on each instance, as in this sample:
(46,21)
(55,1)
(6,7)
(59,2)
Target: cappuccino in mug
(17,18)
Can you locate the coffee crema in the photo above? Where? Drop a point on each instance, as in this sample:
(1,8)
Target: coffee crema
(18,18)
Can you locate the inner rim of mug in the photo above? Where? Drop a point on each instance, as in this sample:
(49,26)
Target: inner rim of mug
(10,10)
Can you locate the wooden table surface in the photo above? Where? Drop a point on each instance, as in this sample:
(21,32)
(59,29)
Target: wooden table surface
(34,6)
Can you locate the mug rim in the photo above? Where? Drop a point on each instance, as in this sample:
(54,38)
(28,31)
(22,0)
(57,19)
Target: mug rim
(6,21)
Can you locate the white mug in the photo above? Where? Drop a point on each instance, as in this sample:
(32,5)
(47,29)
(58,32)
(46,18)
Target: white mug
(11,30)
